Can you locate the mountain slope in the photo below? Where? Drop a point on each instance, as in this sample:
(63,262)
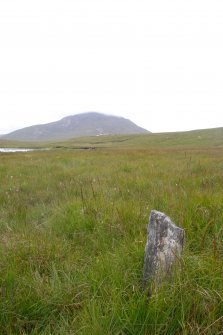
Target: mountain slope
(87,124)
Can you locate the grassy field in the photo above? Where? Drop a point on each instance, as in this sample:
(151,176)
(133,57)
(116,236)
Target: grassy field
(73,233)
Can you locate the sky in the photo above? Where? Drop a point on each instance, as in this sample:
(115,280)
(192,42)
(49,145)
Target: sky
(156,62)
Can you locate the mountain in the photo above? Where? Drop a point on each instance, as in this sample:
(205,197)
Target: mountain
(87,124)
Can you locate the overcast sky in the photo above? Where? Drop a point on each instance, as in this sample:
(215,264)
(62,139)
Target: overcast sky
(156,62)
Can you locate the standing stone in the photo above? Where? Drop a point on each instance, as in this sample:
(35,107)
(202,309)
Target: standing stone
(164,246)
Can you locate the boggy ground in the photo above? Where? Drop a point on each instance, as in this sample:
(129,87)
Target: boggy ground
(73,232)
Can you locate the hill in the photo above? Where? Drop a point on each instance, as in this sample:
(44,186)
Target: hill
(87,124)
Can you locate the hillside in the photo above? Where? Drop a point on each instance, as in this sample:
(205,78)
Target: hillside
(205,138)
(87,124)
(189,139)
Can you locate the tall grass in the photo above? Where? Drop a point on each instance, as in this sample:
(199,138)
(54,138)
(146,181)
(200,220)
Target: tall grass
(73,232)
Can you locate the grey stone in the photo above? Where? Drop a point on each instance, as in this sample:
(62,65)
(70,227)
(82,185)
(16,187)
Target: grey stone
(164,246)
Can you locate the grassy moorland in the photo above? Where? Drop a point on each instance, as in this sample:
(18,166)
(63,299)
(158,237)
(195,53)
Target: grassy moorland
(73,232)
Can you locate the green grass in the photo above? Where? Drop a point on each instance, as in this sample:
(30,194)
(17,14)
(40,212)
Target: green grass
(73,232)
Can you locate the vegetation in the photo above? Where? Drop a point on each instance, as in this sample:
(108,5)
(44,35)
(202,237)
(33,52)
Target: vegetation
(73,232)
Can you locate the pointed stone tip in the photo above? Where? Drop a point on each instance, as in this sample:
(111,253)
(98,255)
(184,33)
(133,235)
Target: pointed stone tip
(157,215)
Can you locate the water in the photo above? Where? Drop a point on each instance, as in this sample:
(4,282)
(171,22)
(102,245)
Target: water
(15,150)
